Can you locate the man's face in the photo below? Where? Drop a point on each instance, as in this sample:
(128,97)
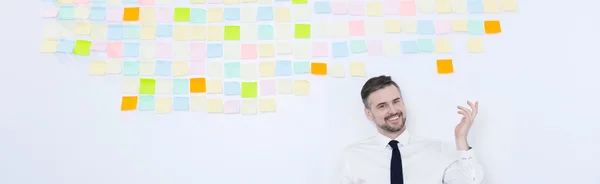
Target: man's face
(386,109)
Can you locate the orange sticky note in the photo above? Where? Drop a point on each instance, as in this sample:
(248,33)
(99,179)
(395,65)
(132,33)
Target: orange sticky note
(129,103)
(197,85)
(444,66)
(131,14)
(492,26)
(318,68)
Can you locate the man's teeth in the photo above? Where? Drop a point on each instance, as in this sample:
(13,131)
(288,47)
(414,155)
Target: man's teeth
(394,117)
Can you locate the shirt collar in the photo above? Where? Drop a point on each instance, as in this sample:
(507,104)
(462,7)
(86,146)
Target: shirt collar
(384,141)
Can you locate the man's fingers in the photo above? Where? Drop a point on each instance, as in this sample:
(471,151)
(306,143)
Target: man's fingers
(465,109)
(465,114)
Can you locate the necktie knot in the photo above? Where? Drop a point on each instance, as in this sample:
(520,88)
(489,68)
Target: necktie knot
(394,144)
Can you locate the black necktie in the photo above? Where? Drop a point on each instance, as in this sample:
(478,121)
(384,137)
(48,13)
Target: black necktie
(396,176)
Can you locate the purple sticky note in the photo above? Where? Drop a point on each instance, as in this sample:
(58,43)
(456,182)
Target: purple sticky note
(197,67)
(114,14)
(267,87)
(338,7)
(50,12)
(391,7)
(164,15)
(197,50)
(99,46)
(375,47)
(164,50)
(356,7)
(231,107)
(82,1)
(320,49)
(443,27)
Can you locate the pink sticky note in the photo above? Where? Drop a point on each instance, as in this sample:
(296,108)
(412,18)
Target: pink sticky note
(267,87)
(391,7)
(114,14)
(231,107)
(197,67)
(50,12)
(146,2)
(197,50)
(320,49)
(82,1)
(408,8)
(114,50)
(164,15)
(99,46)
(215,1)
(338,7)
(356,8)
(164,50)
(357,27)
(443,27)
(375,47)
(249,51)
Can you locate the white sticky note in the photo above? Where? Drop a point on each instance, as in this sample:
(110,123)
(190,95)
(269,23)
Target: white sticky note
(131,85)
(249,32)
(99,32)
(114,66)
(285,86)
(148,32)
(198,103)
(181,50)
(284,31)
(214,69)
(302,50)
(148,50)
(83,28)
(248,14)
(283,48)
(374,28)
(232,50)
(391,48)
(248,71)
(98,68)
(425,6)
(459,6)
(147,68)
(249,106)
(321,30)
(409,26)
(164,86)
(163,105)
(340,29)
(336,70)
(302,12)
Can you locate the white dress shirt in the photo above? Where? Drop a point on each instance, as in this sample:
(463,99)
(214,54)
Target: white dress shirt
(424,161)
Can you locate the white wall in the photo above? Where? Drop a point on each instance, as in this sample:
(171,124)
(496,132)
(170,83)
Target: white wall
(537,84)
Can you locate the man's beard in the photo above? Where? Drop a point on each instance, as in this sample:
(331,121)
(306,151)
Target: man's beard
(389,128)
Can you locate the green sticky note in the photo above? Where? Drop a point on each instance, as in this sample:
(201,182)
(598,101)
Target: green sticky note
(358,46)
(232,33)
(197,15)
(182,15)
(301,67)
(302,31)
(146,103)
(425,45)
(147,86)
(299,1)
(475,27)
(82,47)
(181,86)
(265,32)
(249,89)
(232,69)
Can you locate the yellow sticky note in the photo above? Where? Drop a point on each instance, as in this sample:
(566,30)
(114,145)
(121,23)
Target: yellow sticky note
(214,105)
(302,12)
(491,6)
(147,14)
(181,50)
(249,106)
(284,31)
(49,46)
(374,28)
(302,50)
(459,6)
(358,69)
(321,30)
(232,51)
(163,105)
(66,1)
(114,66)
(392,26)
(215,14)
(336,70)
(340,29)
(214,86)
(443,6)
(460,25)
(52,30)
(248,71)
(264,1)
(374,8)
(179,68)
(283,48)
(249,32)
(409,26)
(267,105)
(231,2)
(198,33)
(131,85)
(391,48)
(147,68)
(181,33)
(215,33)
(99,32)
(197,1)
(283,14)
(164,86)
(148,32)
(81,12)
(285,86)
(266,68)
(98,68)
(509,5)
(148,50)
(443,45)
(475,45)
(425,6)
(198,103)
(248,1)
(266,50)
(214,69)
(248,14)
(83,28)
(68,30)
(301,87)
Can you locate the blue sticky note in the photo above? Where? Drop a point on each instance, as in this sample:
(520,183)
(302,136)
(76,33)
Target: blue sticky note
(131,49)
(130,1)
(358,46)
(97,13)
(475,6)
(197,15)
(181,86)
(164,30)
(66,12)
(283,68)
(231,88)
(131,68)
(65,46)
(339,49)
(476,27)
(181,103)
(265,32)
(214,50)
(231,14)
(146,103)
(232,69)
(425,45)
(322,7)
(264,13)
(409,46)
(426,27)
(163,68)
(131,31)
(115,32)
(301,67)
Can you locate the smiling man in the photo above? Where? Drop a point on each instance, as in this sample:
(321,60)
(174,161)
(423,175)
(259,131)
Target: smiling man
(394,156)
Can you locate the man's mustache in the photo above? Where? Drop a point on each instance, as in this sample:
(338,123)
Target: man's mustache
(399,114)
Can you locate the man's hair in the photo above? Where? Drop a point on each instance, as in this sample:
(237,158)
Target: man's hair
(374,84)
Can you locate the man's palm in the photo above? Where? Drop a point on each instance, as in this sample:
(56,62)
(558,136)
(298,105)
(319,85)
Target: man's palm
(462,129)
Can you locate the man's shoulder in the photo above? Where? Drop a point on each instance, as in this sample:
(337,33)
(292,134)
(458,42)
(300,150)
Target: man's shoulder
(360,144)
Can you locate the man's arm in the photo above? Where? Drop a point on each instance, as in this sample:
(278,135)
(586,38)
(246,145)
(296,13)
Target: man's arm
(465,170)
(342,171)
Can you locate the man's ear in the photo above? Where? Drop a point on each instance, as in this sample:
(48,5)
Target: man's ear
(369,114)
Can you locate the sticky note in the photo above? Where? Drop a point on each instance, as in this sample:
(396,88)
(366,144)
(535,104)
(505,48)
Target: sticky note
(181,86)
(358,69)
(131,32)
(302,31)
(322,7)
(131,68)
(357,27)
(181,32)
(491,6)
(249,71)
(459,6)
(249,32)
(283,48)
(148,32)
(459,25)
(443,27)
(197,67)
(248,14)
(229,2)
(97,13)
(320,49)
(318,68)
(81,12)
(375,48)
(215,14)
(197,50)
(181,14)
(49,46)
(425,45)
(82,47)
(197,85)
(181,103)
(443,6)
(266,68)
(198,103)
(131,85)
(358,46)
(232,13)
(299,1)
(475,45)
(392,26)
(131,49)
(356,7)
(215,69)
(232,51)
(164,86)
(164,15)
(336,70)
(249,106)
(509,5)
(232,33)
(265,32)
(409,26)
(66,12)
(409,46)
(232,69)
(249,51)
(115,32)
(98,68)
(267,87)
(301,87)
(283,14)
(147,68)
(425,6)
(163,105)
(214,105)
(374,28)
(129,103)
(391,7)
(147,86)
(444,66)
(113,14)
(198,15)
(339,7)
(408,8)
(179,68)
(321,30)
(131,14)
(284,31)
(114,66)
(266,105)
(214,50)
(214,86)
(99,46)
(285,86)
(283,67)
(164,30)
(231,107)
(302,50)
(374,9)
(476,27)
(426,27)
(266,50)
(249,89)
(443,45)
(50,12)
(146,103)
(302,13)
(339,49)
(231,88)
(475,6)
(301,67)
(215,33)
(492,26)
(264,13)
(163,68)
(147,15)
(113,50)
(198,33)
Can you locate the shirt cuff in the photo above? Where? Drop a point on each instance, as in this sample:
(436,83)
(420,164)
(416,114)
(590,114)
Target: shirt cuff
(467,155)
